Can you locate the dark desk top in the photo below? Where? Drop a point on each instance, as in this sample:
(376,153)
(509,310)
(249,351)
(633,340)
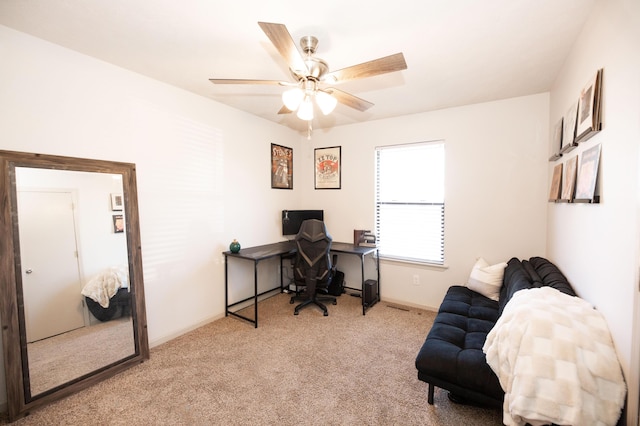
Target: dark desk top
(264,252)
(289,247)
(350,248)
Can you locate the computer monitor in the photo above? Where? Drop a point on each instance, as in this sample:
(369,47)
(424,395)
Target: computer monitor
(292,219)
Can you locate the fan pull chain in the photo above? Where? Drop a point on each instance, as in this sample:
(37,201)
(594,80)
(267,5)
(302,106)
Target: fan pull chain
(309,130)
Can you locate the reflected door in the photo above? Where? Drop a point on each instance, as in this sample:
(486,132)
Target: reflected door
(50,273)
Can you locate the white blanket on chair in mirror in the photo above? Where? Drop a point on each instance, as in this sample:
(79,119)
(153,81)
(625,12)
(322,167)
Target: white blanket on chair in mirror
(105,285)
(555,360)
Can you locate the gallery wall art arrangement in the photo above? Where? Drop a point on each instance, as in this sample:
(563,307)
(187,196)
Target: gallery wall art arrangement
(572,182)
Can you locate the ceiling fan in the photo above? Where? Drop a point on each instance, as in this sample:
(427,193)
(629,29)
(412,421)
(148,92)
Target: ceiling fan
(312,77)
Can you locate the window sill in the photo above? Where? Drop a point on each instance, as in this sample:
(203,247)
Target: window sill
(429,265)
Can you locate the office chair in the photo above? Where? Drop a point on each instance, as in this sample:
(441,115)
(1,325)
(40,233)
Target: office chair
(313,267)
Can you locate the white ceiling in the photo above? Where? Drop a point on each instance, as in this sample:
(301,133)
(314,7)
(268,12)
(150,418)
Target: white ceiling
(458,52)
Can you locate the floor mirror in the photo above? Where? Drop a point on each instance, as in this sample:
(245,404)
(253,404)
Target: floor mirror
(72,302)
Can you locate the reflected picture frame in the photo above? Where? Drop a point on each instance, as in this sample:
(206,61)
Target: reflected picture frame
(118,224)
(117,202)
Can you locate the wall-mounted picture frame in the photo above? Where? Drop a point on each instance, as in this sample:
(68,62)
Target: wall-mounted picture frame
(589,121)
(588,176)
(556,181)
(328,167)
(118,223)
(569,129)
(569,179)
(281,167)
(556,140)
(117,202)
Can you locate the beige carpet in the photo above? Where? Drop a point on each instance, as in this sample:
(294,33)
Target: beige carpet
(344,369)
(64,357)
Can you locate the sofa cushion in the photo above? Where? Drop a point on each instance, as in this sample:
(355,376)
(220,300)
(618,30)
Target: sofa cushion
(515,278)
(486,279)
(536,281)
(551,275)
(452,352)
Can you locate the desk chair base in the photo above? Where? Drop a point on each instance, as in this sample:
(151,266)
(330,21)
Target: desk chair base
(315,301)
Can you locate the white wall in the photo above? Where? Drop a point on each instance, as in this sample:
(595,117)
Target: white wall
(596,246)
(496,182)
(202,168)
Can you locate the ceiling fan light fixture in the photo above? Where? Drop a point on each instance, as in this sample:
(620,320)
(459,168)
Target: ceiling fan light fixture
(326,102)
(310,72)
(305,112)
(292,98)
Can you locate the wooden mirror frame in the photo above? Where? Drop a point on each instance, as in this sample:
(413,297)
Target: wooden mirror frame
(19,401)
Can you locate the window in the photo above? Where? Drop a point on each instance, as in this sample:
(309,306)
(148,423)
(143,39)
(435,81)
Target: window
(410,202)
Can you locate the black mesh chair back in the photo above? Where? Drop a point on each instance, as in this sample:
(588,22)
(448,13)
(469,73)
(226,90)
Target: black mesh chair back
(313,267)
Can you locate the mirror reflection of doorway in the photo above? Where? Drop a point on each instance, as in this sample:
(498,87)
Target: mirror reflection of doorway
(109,346)
(50,270)
(67,243)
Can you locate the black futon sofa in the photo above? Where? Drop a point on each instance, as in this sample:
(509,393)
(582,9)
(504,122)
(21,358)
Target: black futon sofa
(451,356)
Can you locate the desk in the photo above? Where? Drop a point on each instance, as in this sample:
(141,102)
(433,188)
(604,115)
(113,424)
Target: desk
(255,254)
(285,249)
(362,252)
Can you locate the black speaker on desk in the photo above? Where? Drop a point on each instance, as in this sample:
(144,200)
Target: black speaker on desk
(370,292)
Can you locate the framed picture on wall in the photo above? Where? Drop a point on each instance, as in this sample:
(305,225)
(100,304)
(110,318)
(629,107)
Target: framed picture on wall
(281,167)
(569,129)
(569,181)
(588,175)
(554,193)
(589,108)
(556,141)
(328,167)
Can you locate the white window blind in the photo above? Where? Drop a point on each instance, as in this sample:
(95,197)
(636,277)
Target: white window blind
(410,201)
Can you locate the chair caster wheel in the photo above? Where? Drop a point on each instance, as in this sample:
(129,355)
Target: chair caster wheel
(326,314)
(296,313)
(335,302)
(291,302)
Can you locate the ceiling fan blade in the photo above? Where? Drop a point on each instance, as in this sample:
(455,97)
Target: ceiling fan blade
(368,69)
(349,99)
(284,110)
(281,39)
(243,81)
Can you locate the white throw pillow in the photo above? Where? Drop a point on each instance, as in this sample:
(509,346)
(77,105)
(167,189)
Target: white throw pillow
(487,279)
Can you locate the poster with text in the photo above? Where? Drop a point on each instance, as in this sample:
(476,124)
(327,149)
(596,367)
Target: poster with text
(327,168)
(281,167)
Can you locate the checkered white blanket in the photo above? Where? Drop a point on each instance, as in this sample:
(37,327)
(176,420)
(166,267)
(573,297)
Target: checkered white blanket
(555,360)
(105,285)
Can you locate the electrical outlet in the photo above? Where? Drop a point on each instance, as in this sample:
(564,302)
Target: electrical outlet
(416,279)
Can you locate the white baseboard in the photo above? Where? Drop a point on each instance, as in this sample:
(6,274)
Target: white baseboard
(411,305)
(168,337)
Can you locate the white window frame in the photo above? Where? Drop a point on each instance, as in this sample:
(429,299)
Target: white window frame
(409,204)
